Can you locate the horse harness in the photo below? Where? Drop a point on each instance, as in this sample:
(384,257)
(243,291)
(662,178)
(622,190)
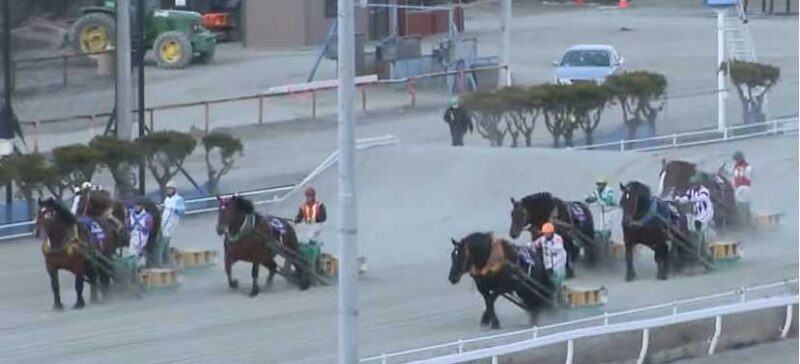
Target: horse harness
(496,261)
(71,244)
(248,226)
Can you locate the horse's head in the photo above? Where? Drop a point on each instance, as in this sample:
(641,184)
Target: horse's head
(51,216)
(232,210)
(633,197)
(519,218)
(459,261)
(674,177)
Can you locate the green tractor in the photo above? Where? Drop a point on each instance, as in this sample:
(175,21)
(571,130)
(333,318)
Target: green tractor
(176,37)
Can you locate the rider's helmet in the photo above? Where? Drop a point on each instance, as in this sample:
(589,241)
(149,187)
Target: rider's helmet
(601,180)
(454,101)
(738,156)
(695,179)
(310,192)
(85,186)
(548,228)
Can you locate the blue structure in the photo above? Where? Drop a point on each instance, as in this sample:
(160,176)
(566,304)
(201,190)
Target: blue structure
(721,3)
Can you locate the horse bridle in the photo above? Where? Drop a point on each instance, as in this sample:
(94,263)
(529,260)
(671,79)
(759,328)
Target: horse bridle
(69,237)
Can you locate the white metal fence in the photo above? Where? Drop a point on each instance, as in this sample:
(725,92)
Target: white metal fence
(677,311)
(782,126)
(208,204)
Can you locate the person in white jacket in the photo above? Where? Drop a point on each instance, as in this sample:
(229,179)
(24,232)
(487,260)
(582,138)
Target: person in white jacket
(702,208)
(553,253)
(173,209)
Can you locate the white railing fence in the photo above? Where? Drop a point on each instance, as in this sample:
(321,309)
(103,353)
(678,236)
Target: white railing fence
(258,196)
(782,126)
(565,331)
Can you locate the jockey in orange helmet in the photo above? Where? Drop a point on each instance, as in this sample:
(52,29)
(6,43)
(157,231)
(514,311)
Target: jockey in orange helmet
(553,252)
(312,214)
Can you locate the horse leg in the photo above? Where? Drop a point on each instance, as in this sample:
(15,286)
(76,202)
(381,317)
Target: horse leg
(630,274)
(91,278)
(662,260)
(232,283)
(493,320)
(272,267)
(254,274)
(485,293)
(79,303)
(56,289)
(572,253)
(102,276)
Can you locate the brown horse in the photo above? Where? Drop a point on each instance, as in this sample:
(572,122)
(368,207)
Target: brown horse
(69,245)
(674,181)
(252,238)
(649,221)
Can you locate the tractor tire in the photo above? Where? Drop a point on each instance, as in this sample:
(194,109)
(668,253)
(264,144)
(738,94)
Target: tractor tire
(173,50)
(205,58)
(93,32)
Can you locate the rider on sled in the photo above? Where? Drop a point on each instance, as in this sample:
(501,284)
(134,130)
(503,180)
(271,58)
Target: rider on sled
(605,198)
(553,253)
(702,209)
(312,213)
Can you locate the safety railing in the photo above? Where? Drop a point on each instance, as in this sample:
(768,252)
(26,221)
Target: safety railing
(779,126)
(259,196)
(64,63)
(571,330)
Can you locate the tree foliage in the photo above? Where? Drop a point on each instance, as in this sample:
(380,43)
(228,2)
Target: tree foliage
(165,152)
(32,174)
(488,109)
(228,147)
(752,82)
(641,95)
(117,155)
(588,101)
(76,163)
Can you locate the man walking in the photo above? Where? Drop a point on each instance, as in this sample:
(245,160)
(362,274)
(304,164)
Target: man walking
(459,120)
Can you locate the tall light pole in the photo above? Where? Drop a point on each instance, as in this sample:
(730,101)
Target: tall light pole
(124,84)
(505,49)
(721,94)
(348,275)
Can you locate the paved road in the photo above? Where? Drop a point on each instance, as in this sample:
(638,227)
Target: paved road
(412,199)
(781,352)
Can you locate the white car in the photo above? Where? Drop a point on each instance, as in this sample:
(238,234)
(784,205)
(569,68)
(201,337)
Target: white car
(587,63)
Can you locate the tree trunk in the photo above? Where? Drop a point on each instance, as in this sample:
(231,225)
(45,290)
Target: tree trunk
(589,137)
(528,141)
(213,186)
(556,140)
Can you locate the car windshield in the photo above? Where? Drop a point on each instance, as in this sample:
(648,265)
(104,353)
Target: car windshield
(586,58)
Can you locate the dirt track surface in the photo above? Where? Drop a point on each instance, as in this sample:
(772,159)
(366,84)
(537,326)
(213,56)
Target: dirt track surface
(411,201)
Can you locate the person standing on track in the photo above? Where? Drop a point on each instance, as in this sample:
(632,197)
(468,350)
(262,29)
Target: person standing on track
(702,208)
(742,181)
(459,120)
(140,225)
(604,197)
(312,214)
(173,209)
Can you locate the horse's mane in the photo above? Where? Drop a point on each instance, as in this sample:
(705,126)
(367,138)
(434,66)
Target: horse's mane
(243,205)
(539,199)
(61,211)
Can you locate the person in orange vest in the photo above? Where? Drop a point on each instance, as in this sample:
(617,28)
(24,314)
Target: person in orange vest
(553,253)
(742,181)
(312,214)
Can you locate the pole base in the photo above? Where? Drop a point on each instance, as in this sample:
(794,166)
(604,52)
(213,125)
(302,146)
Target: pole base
(362,265)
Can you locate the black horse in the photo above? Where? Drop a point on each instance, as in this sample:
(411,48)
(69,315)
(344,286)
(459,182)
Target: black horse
(572,219)
(492,263)
(652,222)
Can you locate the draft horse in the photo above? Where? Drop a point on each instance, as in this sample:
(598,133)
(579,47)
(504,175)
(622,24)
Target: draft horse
(252,238)
(652,222)
(74,246)
(674,181)
(573,221)
(490,262)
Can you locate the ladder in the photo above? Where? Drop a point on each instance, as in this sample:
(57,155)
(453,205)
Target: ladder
(739,41)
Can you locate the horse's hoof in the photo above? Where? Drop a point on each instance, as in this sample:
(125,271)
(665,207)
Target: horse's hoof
(234,284)
(78,305)
(254,293)
(58,307)
(630,277)
(661,277)
(495,325)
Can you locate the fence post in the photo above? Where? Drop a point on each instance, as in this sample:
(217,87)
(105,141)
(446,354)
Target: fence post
(743,294)
(788,323)
(91,126)
(384,359)
(775,127)
(152,119)
(645,344)
(570,351)
(411,87)
(313,104)
(674,307)
(260,108)
(725,134)
(605,318)
(494,359)
(674,139)
(64,69)
(207,116)
(363,98)
(622,145)
(715,339)
(535,332)
(460,346)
